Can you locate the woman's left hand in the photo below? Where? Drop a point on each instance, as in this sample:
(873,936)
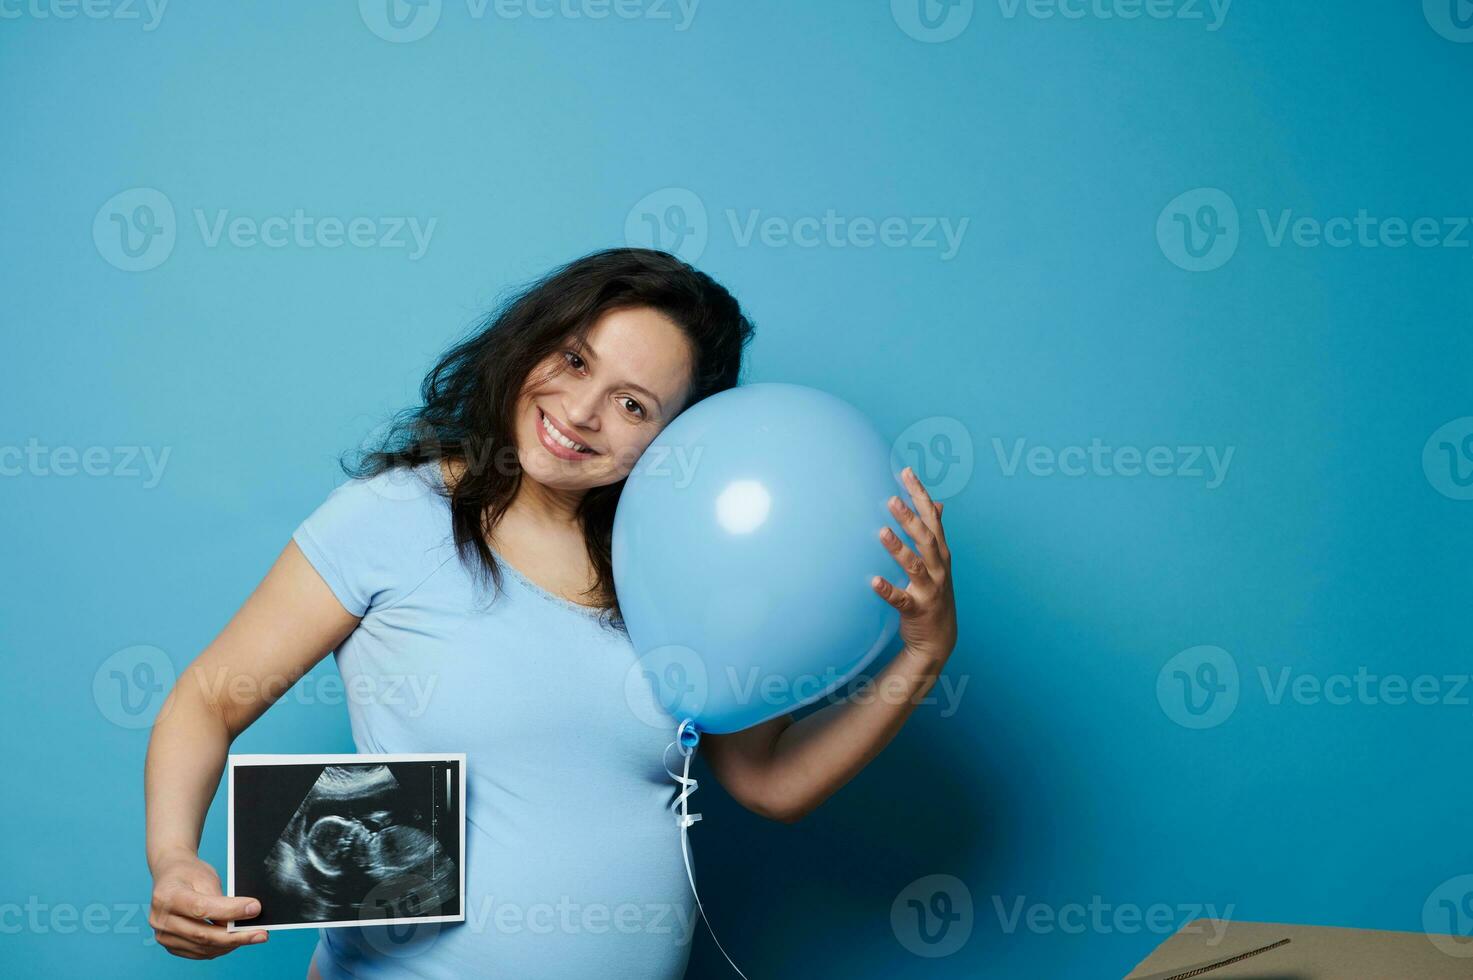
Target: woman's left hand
(927,605)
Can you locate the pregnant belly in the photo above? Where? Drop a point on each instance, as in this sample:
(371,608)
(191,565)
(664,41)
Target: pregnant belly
(596,893)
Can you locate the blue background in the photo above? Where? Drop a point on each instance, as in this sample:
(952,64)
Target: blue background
(1061,776)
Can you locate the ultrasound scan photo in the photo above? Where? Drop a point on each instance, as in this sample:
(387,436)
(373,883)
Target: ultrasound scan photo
(347,840)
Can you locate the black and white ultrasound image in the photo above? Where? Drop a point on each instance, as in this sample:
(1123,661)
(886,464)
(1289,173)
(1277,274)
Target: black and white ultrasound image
(349,842)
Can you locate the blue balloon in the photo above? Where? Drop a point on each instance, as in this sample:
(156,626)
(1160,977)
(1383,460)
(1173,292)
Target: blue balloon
(743,548)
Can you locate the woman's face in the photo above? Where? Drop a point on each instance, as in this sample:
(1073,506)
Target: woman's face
(612,395)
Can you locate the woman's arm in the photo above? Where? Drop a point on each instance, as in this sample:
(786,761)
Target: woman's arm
(783,769)
(290,622)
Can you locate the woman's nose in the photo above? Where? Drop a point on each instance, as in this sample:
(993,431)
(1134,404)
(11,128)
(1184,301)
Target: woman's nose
(581,411)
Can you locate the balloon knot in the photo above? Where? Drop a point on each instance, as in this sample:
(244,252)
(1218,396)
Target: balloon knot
(687,736)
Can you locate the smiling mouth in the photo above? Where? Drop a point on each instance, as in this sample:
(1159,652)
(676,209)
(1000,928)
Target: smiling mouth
(557,437)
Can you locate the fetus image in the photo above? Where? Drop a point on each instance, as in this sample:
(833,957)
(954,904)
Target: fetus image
(363,846)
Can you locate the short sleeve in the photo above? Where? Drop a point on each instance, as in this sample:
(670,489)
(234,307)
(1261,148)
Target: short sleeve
(373,539)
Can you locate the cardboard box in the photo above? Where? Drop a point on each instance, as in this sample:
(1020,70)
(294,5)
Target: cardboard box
(1311,953)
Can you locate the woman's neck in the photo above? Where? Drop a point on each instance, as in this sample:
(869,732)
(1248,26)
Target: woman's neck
(547,506)
(534,505)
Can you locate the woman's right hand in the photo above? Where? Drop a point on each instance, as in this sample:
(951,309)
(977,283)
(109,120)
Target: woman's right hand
(188,902)
(290,622)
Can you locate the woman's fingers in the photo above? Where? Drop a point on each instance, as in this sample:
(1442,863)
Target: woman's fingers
(903,555)
(899,598)
(186,901)
(204,937)
(930,510)
(929,513)
(925,541)
(180,898)
(181,918)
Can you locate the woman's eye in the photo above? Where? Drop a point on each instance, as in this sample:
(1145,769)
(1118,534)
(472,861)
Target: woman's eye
(574,359)
(637,405)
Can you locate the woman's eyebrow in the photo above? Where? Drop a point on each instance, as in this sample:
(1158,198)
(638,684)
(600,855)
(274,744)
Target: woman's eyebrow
(593,355)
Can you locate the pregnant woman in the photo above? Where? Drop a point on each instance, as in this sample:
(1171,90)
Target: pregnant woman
(469,560)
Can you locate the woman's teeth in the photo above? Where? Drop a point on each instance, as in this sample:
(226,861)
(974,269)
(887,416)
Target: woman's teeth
(561,439)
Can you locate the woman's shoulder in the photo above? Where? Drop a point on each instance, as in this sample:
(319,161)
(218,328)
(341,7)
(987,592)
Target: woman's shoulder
(398,506)
(373,534)
(390,488)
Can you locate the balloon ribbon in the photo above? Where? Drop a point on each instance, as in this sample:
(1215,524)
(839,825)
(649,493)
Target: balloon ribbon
(686,738)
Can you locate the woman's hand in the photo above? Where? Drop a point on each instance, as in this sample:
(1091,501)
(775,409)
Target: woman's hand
(188,902)
(927,605)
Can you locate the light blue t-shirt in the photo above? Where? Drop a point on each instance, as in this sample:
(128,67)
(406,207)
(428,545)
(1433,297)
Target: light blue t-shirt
(573,859)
